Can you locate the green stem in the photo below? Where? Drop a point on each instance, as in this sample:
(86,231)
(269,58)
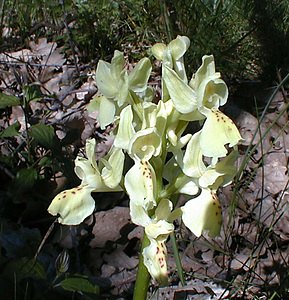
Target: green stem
(173,187)
(142,276)
(177,258)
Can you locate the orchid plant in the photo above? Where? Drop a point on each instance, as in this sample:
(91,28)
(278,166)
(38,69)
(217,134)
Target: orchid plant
(165,161)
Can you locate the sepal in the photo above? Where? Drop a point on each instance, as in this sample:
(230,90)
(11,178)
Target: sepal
(139,76)
(182,95)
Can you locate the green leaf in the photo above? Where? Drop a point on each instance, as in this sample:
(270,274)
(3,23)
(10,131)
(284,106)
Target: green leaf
(11,130)
(45,162)
(44,135)
(25,178)
(8,101)
(24,268)
(32,93)
(79,284)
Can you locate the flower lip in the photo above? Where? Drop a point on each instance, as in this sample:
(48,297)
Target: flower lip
(203,213)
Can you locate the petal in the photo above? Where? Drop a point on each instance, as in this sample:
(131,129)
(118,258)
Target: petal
(218,131)
(193,165)
(140,184)
(106,111)
(86,168)
(206,70)
(72,206)
(212,93)
(87,173)
(221,174)
(203,213)
(211,178)
(177,149)
(112,80)
(125,129)
(175,127)
(211,90)
(189,188)
(112,174)
(145,144)
(159,230)
(139,214)
(149,115)
(155,261)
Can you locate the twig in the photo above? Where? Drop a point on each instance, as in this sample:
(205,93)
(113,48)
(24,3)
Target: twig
(71,42)
(7,172)
(21,63)
(45,238)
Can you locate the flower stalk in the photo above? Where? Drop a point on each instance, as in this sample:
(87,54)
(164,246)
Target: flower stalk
(142,276)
